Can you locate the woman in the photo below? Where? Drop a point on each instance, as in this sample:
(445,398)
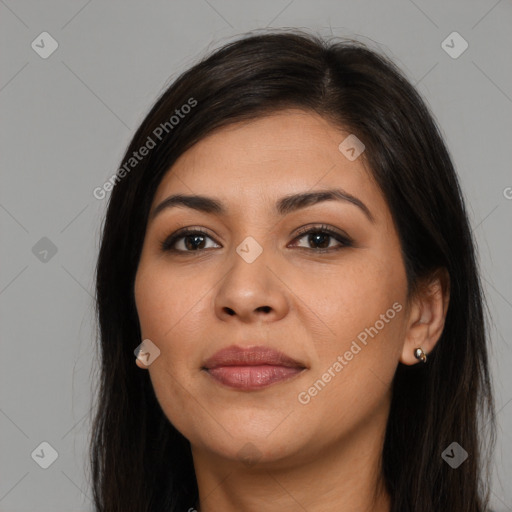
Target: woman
(287,251)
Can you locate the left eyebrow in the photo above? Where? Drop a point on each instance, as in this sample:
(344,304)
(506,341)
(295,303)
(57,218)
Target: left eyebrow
(284,206)
(296,201)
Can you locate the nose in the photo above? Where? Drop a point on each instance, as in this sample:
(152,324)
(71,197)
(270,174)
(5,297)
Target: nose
(252,292)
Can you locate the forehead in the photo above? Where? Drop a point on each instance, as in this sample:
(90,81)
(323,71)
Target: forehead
(288,152)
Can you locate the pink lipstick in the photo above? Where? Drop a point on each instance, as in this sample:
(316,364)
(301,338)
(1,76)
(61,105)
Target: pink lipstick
(251,368)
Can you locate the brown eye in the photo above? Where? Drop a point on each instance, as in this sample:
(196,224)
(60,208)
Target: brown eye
(322,238)
(186,241)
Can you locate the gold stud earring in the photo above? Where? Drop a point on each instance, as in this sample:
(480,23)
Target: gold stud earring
(420,355)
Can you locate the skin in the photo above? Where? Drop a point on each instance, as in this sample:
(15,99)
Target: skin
(323,455)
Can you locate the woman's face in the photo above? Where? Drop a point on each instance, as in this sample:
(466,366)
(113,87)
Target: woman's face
(333,301)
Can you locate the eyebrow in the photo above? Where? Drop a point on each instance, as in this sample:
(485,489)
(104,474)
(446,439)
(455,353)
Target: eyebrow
(284,206)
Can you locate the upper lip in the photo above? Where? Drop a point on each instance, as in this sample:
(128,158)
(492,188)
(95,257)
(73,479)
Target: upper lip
(250,356)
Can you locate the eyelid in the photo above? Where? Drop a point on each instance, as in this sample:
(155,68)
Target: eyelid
(323,228)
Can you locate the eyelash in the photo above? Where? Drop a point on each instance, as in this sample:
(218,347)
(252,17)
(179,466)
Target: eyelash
(168,243)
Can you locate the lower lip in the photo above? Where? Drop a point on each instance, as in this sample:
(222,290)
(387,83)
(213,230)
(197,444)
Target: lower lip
(252,377)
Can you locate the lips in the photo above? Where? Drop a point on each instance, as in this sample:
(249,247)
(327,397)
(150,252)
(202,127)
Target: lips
(251,368)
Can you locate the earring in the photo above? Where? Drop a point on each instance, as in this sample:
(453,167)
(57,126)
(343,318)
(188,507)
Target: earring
(420,355)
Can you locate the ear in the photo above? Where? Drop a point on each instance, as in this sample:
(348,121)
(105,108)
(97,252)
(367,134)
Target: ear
(426,315)
(140,364)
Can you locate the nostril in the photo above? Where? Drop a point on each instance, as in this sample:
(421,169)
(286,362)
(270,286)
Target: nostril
(266,309)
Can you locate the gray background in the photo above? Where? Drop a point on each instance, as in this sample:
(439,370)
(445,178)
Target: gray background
(66,121)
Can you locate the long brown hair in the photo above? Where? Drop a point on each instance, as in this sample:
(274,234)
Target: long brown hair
(139,461)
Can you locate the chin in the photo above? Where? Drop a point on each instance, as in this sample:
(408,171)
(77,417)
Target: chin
(253,444)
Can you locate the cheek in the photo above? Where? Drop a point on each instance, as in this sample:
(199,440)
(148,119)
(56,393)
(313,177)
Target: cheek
(355,297)
(172,310)
(166,311)
(364,310)
(164,302)
(354,372)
